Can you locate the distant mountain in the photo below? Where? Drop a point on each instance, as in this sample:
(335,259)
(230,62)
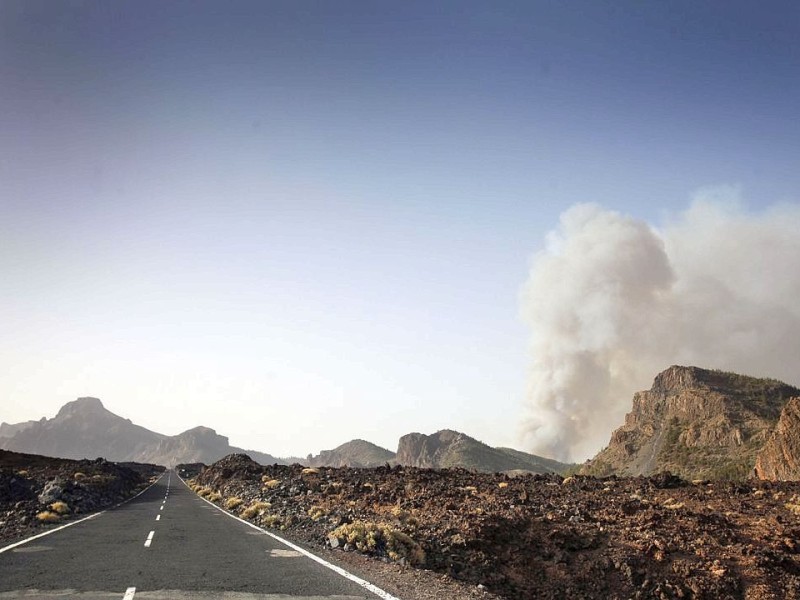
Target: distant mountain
(199,445)
(8,430)
(696,423)
(355,453)
(84,428)
(448,448)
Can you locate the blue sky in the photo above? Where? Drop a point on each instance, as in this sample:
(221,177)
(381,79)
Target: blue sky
(305,222)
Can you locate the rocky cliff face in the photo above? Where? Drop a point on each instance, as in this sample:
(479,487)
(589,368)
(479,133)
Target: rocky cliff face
(779,459)
(696,423)
(448,448)
(355,453)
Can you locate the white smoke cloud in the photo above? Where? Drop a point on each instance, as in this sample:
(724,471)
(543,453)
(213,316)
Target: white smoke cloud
(612,301)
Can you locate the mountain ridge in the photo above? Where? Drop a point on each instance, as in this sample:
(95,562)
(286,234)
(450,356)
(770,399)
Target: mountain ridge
(697,423)
(85,428)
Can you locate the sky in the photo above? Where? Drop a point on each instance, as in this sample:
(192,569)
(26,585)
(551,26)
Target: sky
(306,222)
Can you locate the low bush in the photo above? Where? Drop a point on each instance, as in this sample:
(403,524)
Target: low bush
(47,516)
(256,509)
(59,507)
(232,503)
(316,513)
(381,540)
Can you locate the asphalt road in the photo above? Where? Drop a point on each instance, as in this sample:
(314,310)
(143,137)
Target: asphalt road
(195,551)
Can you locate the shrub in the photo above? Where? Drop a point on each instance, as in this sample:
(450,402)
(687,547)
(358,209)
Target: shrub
(502,484)
(270,483)
(205,492)
(257,508)
(232,503)
(316,513)
(22,473)
(373,538)
(60,507)
(272,521)
(47,517)
(310,471)
(78,476)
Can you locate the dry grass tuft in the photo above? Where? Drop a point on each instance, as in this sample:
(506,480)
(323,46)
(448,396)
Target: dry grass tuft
(22,473)
(793,505)
(272,521)
(502,485)
(256,509)
(271,483)
(60,507)
(316,513)
(310,471)
(374,538)
(78,476)
(47,517)
(215,497)
(232,503)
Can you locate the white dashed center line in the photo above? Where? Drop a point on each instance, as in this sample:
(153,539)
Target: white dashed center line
(158,517)
(149,539)
(129,593)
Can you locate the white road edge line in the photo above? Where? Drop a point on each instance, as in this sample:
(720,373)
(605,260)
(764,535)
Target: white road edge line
(346,574)
(129,593)
(97,514)
(149,539)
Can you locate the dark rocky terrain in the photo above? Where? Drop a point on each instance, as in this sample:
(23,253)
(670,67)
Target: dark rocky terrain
(696,423)
(535,536)
(37,492)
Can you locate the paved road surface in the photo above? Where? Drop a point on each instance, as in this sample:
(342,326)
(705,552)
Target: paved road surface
(195,551)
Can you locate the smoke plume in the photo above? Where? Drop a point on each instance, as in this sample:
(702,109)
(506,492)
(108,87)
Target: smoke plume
(612,301)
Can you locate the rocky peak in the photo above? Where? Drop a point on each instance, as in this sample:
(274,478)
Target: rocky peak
(678,378)
(202,432)
(696,422)
(355,453)
(420,450)
(81,407)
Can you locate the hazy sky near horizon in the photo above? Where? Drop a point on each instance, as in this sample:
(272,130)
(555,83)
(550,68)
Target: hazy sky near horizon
(305,222)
